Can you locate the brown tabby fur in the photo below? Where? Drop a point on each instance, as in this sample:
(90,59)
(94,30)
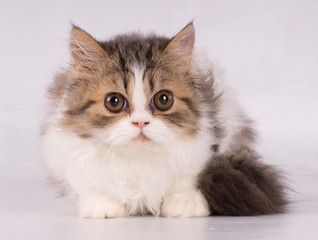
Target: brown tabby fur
(107,67)
(234,183)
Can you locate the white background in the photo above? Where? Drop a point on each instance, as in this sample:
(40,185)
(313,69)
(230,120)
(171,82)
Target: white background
(269,50)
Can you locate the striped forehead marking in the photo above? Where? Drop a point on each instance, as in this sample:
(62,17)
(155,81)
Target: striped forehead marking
(139,97)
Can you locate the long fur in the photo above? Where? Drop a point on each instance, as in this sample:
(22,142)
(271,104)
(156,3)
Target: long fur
(196,159)
(238,184)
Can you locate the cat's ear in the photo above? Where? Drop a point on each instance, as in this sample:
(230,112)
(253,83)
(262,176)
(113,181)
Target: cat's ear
(182,44)
(85,51)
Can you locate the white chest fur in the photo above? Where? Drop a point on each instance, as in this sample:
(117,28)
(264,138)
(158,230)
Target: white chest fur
(138,177)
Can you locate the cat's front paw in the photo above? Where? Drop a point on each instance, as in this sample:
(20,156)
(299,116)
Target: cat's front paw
(101,206)
(185,204)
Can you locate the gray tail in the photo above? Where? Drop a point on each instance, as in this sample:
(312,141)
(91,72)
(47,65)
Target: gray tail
(238,184)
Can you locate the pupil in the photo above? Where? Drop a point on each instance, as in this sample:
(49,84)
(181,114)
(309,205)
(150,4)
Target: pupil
(114,101)
(163,99)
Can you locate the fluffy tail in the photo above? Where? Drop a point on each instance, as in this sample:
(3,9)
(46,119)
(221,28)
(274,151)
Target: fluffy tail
(238,184)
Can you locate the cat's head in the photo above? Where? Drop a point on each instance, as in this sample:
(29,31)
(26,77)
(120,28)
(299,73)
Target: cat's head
(133,89)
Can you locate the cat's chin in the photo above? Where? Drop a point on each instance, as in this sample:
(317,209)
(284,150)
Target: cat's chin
(141,140)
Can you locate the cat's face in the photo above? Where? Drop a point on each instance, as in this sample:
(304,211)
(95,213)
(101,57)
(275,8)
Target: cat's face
(132,90)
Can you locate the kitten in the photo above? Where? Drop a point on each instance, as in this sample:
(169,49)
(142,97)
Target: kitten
(137,125)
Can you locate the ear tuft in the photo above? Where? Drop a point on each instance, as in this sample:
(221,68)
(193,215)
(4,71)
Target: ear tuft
(84,50)
(182,44)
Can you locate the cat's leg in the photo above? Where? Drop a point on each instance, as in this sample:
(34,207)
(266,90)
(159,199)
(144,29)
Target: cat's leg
(185,200)
(94,204)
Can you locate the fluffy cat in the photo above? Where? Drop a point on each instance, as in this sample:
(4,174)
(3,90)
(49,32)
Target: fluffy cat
(139,125)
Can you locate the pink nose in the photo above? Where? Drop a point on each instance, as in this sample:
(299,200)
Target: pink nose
(140,124)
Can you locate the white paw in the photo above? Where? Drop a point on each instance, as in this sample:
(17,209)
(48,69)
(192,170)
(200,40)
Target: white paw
(185,204)
(101,206)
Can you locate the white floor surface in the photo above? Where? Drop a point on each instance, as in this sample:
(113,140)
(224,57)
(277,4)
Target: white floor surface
(31,210)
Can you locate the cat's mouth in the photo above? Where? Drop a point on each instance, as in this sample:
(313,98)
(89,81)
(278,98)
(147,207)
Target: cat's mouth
(141,138)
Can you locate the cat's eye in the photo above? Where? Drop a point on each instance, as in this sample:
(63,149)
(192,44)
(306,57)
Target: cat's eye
(162,100)
(115,102)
